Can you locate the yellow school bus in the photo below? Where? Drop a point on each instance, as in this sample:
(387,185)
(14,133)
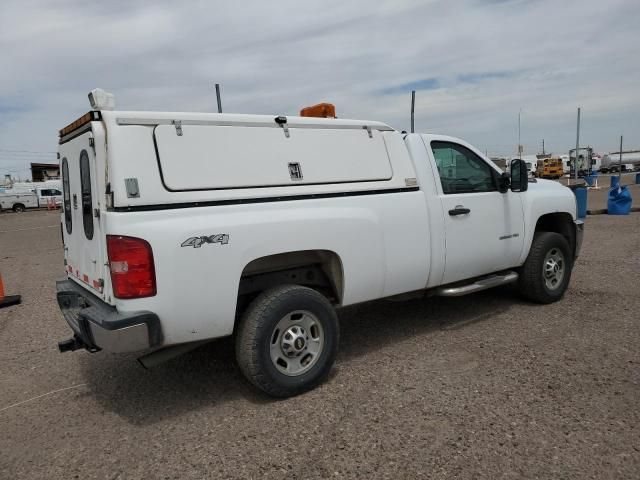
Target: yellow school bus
(550,168)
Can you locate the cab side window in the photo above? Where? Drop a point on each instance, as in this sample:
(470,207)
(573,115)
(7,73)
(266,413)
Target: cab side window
(461,170)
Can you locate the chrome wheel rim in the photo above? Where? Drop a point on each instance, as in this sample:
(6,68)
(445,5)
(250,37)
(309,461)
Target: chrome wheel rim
(296,343)
(553,268)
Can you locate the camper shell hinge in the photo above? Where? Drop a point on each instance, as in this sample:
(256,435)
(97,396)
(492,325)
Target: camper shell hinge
(178,125)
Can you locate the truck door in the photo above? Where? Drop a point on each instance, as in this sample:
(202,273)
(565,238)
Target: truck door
(83,239)
(484,229)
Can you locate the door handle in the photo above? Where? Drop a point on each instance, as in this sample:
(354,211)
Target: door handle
(459,210)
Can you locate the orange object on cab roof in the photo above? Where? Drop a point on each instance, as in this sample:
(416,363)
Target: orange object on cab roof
(324,110)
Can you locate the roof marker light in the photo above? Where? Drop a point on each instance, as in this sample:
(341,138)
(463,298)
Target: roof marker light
(322,110)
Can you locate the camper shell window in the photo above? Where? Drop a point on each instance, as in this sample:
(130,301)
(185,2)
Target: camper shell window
(66,196)
(85,187)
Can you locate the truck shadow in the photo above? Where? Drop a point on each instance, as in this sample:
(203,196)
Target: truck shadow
(209,376)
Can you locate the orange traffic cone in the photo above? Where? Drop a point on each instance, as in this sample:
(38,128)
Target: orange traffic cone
(6,300)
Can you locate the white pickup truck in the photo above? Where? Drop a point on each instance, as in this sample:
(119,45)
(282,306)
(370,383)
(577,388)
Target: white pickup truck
(180,228)
(31,195)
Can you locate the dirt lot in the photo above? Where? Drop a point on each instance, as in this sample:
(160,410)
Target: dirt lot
(486,386)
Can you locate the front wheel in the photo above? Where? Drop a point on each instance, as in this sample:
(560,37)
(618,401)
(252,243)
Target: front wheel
(287,340)
(545,275)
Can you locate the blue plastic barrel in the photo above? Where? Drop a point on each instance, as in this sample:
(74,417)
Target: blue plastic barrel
(637,178)
(619,202)
(581,199)
(615,181)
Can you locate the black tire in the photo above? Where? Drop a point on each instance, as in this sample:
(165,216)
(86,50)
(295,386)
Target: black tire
(531,282)
(257,329)
(18,207)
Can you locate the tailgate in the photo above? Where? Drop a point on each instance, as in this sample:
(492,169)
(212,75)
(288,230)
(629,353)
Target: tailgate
(84,243)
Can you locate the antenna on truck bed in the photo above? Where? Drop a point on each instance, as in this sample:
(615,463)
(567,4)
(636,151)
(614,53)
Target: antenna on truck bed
(413,108)
(218,98)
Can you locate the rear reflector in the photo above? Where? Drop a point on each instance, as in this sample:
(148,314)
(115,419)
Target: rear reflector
(132,270)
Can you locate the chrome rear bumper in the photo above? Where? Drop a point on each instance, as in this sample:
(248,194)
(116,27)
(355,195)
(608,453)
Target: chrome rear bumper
(97,325)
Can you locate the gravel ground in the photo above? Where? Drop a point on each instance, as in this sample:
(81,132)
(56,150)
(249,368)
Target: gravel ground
(486,386)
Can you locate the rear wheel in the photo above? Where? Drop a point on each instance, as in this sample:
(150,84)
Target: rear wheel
(545,275)
(287,340)
(18,207)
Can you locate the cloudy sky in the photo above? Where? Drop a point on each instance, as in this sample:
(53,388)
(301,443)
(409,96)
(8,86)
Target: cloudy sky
(474,64)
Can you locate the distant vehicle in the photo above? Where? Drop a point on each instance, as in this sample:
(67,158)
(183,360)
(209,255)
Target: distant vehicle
(22,196)
(625,167)
(529,169)
(500,162)
(585,156)
(532,164)
(550,168)
(566,164)
(18,201)
(49,195)
(610,161)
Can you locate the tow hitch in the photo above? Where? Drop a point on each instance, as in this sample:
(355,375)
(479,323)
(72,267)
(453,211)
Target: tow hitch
(73,344)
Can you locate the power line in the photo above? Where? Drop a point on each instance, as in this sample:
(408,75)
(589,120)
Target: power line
(27,151)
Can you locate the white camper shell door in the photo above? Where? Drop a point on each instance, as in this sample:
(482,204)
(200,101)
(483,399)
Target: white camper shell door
(83,239)
(209,157)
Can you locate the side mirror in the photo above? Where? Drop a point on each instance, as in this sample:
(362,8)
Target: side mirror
(519,176)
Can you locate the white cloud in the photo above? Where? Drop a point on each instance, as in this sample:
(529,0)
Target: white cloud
(488,58)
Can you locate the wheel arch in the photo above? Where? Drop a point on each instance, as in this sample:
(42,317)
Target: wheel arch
(321,270)
(558,222)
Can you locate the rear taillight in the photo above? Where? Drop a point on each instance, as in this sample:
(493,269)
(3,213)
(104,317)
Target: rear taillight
(131,263)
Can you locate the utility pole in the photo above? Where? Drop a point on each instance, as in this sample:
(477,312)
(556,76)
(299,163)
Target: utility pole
(543,152)
(413,107)
(620,162)
(218,98)
(575,166)
(519,142)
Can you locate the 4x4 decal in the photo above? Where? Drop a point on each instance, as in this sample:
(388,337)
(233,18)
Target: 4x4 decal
(197,242)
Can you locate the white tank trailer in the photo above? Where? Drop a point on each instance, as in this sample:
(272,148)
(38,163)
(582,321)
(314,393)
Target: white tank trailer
(611,160)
